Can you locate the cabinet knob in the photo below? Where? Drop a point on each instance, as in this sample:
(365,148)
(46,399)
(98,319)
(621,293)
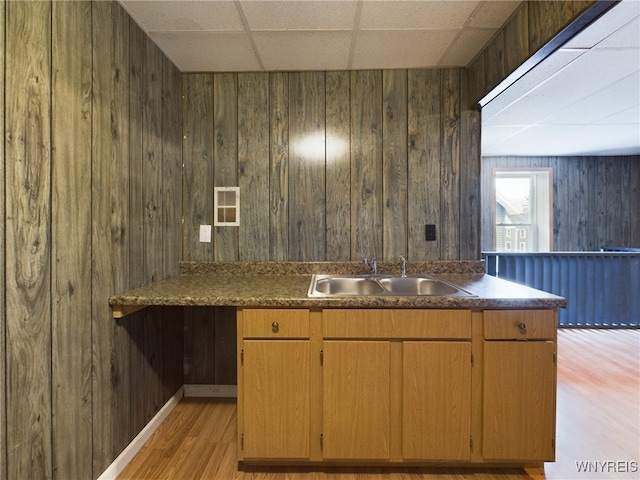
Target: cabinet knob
(275,327)
(522,326)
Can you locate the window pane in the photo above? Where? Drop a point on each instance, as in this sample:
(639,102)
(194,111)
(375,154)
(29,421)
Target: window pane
(513,198)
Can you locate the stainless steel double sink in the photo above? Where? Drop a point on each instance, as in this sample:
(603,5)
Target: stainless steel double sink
(382,285)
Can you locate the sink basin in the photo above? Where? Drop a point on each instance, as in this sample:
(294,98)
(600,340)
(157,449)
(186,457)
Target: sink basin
(382,285)
(348,286)
(417,286)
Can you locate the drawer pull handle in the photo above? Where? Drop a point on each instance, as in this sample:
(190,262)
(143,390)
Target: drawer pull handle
(275,327)
(522,326)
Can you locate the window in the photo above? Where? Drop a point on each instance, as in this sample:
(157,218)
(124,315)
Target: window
(226,206)
(523,210)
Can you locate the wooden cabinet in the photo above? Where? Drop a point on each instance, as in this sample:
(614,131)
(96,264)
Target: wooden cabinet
(396,384)
(355,398)
(273,388)
(351,386)
(519,385)
(436,400)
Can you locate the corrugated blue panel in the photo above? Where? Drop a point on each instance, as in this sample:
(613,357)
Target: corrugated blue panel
(602,288)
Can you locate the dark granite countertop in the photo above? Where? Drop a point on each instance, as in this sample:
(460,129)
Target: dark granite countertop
(285,284)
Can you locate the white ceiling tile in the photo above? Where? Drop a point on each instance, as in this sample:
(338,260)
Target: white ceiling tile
(492,13)
(186,50)
(611,21)
(414,15)
(400,49)
(582,78)
(605,140)
(626,37)
(216,15)
(460,52)
(496,111)
(303,50)
(299,15)
(628,116)
(601,105)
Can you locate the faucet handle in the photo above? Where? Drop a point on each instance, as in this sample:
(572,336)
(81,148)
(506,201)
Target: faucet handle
(403,266)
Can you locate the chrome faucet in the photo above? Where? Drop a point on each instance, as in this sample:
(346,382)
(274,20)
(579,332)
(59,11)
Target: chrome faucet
(403,266)
(373,266)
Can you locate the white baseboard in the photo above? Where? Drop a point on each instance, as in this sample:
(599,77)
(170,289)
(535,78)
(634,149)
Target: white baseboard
(215,391)
(136,444)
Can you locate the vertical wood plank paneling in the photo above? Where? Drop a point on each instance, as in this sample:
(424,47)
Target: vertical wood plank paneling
(601,206)
(591,201)
(476,81)
(197,204)
(199,346)
(73,193)
(470,196)
(615,196)
(225,155)
(225,364)
(578,208)
(3,310)
(516,38)
(171,167)
(152,163)
(253,166)
(591,228)
(633,192)
(580,6)
(71,239)
(101,172)
(394,158)
(153,228)
(172,350)
(28,249)
(450,166)
(134,324)
(338,166)
(279,166)
(424,161)
(307,162)
(120,221)
(546,18)
(198,147)
(494,60)
(366,164)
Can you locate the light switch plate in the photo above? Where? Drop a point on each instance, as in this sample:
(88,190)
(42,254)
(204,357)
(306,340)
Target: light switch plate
(205,233)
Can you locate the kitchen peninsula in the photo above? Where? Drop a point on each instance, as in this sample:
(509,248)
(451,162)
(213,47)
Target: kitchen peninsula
(285,284)
(420,380)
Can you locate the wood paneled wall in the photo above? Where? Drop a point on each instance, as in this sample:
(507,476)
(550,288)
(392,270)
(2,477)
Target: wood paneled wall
(331,165)
(530,28)
(90,182)
(594,200)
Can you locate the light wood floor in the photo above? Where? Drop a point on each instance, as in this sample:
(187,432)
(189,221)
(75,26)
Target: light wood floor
(598,420)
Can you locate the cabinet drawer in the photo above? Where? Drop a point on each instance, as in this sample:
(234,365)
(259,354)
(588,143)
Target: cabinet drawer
(395,323)
(275,323)
(519,324)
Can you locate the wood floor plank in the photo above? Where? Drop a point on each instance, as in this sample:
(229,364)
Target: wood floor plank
(598,421)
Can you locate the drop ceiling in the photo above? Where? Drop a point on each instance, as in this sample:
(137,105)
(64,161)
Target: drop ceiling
(583,100)
(276,35)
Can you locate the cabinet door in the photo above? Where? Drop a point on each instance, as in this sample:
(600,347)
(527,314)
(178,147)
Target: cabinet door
(436,400)
(519,401)
(356,400)
(276,399)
